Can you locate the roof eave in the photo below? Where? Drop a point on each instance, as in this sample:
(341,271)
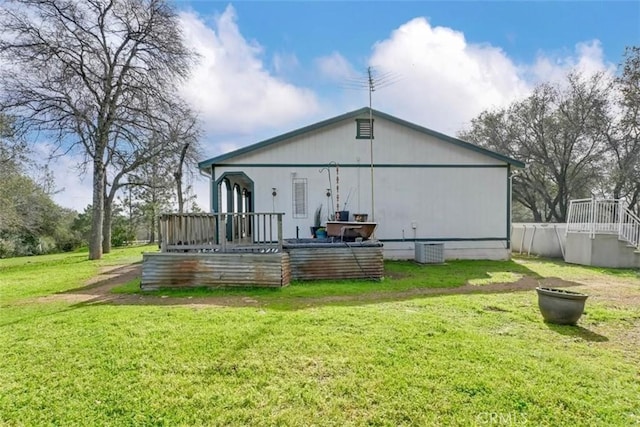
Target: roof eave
(262,144)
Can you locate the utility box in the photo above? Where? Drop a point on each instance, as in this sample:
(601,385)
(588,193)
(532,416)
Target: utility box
(429,253)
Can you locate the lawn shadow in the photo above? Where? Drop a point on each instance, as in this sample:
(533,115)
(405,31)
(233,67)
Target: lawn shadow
(107,279)
(577,331)
(405,281)
(290,303)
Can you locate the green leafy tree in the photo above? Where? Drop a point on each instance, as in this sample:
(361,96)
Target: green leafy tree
(623,135)
(152,187)
(558,132)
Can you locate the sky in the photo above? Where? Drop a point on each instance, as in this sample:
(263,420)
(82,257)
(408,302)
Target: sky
(266,67)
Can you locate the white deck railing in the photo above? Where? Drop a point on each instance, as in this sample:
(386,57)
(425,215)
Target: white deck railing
(603,217)
(630,228)
(220,232)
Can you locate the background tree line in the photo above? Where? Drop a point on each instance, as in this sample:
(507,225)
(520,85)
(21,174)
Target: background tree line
(31,223)
(579,138)
(100,78)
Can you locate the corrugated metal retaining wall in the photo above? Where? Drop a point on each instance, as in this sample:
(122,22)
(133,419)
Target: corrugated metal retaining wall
(346,262)
(186,270)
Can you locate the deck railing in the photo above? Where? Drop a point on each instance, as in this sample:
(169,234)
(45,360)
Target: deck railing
(630,228)
(221,232)
(603,217)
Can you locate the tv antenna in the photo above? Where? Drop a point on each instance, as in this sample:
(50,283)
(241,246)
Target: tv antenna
(373,80)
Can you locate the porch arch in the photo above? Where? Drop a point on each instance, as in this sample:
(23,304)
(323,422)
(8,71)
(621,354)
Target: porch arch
(225,188)
(234,194)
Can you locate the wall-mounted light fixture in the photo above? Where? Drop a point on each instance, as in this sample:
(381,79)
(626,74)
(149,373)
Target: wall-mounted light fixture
(274,191)
(328,193)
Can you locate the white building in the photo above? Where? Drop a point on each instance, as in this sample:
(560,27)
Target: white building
(427,187)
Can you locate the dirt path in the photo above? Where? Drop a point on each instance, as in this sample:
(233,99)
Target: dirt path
(98,291)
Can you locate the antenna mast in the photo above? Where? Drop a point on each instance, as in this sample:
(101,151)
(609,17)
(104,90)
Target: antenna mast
(373,81)
(371,89)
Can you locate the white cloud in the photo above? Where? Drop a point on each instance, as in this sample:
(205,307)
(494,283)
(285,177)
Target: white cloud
(443,81)
(285,63)
(230,87)
(588,58)
(335,67)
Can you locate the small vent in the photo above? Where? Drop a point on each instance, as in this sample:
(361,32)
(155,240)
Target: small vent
(429,253)
(364,129)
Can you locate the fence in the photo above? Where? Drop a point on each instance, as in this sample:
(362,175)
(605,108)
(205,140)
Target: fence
(542,239)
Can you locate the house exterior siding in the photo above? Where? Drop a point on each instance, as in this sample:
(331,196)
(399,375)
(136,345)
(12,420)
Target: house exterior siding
(425,188)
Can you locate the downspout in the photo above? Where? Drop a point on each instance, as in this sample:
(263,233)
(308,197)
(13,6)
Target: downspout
(211,179)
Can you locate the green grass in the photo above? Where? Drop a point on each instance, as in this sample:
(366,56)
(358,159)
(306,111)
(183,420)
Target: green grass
(473,359)
(399,276)
(42,275)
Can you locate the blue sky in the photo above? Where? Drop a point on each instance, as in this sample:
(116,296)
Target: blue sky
(321,47)
(270,67)
(520,28)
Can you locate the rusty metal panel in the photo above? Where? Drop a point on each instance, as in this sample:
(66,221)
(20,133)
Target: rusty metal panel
(343,262)
(186,270)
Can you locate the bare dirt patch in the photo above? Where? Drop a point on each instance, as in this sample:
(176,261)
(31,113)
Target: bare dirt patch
(98,291)
(98,287)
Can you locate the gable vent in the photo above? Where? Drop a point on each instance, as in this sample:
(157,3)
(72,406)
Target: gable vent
(364,129)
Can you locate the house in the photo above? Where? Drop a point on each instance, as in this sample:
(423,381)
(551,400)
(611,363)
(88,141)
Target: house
(418,185)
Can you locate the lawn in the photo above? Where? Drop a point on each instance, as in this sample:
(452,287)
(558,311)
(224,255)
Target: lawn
(429,345)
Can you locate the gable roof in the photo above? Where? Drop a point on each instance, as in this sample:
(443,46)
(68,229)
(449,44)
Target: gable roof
(204,165)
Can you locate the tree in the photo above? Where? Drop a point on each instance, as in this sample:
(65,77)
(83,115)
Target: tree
(12,148)
(151,186)
(558,132)
(157,144)
(30,222)
(86,71)
(185,131)
(623,136)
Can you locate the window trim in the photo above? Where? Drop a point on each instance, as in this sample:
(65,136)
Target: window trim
(294,198)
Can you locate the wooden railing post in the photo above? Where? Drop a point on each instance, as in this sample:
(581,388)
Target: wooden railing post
(220,231)
(280,232)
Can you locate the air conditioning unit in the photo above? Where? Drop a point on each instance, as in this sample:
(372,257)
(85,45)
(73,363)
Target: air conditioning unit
(429,253)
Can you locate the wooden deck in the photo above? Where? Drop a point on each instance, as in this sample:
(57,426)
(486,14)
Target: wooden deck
(247,250)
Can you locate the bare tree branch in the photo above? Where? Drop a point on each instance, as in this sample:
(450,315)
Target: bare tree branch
(84,72)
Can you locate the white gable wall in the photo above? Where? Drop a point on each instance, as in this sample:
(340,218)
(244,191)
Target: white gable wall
(424,188)
(393,144)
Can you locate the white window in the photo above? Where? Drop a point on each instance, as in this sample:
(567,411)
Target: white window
(299,197)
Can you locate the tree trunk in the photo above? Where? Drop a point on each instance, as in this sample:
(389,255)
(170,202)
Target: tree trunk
(152,231)
(95,241)
(106,229)
(108,210)
(178,177)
